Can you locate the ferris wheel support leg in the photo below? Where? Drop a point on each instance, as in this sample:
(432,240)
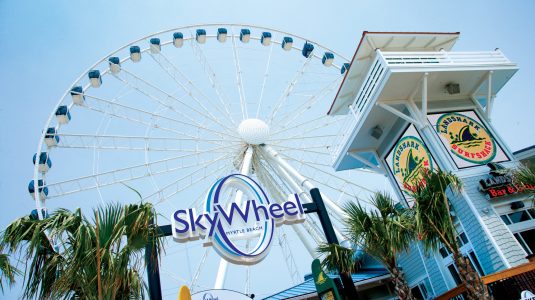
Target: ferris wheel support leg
(223,264)
(304,182)
(291,181)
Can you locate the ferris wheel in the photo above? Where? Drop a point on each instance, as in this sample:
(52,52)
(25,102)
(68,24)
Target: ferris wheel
(170,113)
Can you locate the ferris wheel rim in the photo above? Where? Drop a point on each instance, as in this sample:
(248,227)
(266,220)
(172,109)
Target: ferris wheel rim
(40,203)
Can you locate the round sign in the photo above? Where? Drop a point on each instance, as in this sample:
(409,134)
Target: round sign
(227,235)
(467,138)
(410,158)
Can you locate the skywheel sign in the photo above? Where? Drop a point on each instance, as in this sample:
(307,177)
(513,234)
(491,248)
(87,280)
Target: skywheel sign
(237,211)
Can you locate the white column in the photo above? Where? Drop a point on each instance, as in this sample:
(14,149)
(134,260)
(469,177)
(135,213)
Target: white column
(223,264)
(305,183)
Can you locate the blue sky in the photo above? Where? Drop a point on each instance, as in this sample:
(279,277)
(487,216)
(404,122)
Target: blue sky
(44,46)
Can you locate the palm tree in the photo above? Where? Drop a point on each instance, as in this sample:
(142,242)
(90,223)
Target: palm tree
(67,267)
(525,176)
(383,233)
(436,228)
(340,259)
(7,271)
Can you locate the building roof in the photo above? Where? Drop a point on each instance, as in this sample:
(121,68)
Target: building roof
(308,287)
(526,153)
(385,41)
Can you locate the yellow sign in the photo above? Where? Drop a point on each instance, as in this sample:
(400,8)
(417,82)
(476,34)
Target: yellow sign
(466,138)
(184,293)
(408,159)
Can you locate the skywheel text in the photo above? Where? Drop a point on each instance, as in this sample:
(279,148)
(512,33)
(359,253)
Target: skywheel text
(237,208)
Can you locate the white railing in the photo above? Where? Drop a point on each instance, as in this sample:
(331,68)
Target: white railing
(385,62)
(444,58)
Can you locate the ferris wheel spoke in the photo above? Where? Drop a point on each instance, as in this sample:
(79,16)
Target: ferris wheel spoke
(137,87)
(120,175)
(179,77)
(307,150)
(132,143)
(127,112)
(289,89)
(188,180)
(290,116)
(202,262)
(209,72)
(239,80)
(264,80)
(318,122)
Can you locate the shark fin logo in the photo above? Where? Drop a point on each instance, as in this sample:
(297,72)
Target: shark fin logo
(467,138)
(410,158)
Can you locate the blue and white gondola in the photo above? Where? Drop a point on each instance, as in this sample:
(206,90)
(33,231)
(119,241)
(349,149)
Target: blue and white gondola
(307,49)
(63,115)
(155,46)
(178,39)
(221,35)
(200,36)
(327,59)
(51,137)
(135,53)
(43,190)
(287,43)
(115,64)
(45,163)
(266,38)
(245,35)
(345,68)
(35,216)
(77,94)
(95,78)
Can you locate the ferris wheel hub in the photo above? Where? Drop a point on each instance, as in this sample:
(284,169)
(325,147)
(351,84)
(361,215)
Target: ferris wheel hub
(253,131)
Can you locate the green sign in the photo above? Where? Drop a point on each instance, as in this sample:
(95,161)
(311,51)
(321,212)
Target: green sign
(324,284)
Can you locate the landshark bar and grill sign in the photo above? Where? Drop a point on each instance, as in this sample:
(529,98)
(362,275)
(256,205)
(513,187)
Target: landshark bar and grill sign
(236,211)
(407,159)
(466,138)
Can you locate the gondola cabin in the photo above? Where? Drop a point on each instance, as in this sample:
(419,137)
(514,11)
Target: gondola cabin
(63,115)
(287,43)
(344,68)
(42,189)
(155,46)
(44,162)
(135,53)
(77,94)
(245,35)
(327,59)
(221,35)
(178,39)
(95,78)
(51,137)
(307,49)
(266,38)
(115,64)
(200,36)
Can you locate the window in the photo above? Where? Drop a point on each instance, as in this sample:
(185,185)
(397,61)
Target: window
(475,263)
(419,291)
(454,274)
(505,219)
(519,216)
(527,240)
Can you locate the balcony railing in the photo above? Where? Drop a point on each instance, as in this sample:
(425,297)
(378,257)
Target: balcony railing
(386,62)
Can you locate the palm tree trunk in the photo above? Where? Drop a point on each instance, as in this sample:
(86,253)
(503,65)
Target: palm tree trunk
(400,284)
(99,282)
(350,291)
(475,288)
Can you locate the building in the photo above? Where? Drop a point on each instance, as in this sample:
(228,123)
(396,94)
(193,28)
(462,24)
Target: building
(413,103)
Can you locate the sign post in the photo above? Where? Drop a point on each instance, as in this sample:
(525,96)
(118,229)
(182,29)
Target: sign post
(318,206)
(324,284)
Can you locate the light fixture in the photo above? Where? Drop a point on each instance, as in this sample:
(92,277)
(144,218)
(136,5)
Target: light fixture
(376,132)
(453,88)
